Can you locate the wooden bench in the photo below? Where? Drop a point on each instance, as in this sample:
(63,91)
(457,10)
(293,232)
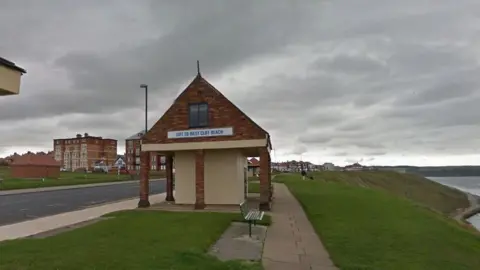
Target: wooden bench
(250,215)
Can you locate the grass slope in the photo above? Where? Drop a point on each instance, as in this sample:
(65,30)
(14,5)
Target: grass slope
(365,228)
(414,187)
(132,240)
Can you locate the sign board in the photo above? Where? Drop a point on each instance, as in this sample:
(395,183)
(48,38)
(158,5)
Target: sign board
(198,133)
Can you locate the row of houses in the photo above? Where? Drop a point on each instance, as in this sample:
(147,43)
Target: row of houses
(298,166)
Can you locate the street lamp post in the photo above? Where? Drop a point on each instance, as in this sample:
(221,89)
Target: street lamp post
(144,186)
(146,104)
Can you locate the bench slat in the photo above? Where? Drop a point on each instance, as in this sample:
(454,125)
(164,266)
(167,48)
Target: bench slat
(248,214)
(254,215)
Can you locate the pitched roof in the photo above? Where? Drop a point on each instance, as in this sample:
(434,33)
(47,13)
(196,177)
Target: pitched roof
(200,80)
(39,160)
(137,136)
(254,162)
(11,65)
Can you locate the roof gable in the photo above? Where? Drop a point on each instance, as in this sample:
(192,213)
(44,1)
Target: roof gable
(137,136)
(221,113)
(254,162)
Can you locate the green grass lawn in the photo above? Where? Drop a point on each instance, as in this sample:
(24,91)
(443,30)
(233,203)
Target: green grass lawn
(131,240)
(413,187)
(253,187)
(66,178)
(369,229)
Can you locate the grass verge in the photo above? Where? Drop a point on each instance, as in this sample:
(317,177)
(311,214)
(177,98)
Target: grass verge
(131,240)
(253,187)
(73,179)
(413,187)
(365,228)
(66,179)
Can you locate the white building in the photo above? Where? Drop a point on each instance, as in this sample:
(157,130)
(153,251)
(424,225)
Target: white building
(328,166)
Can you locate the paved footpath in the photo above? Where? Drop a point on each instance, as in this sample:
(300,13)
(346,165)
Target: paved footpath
(291,242)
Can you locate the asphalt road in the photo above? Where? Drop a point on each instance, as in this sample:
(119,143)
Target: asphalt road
(20,207)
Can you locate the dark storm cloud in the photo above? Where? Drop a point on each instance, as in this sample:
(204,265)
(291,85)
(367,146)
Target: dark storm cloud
(222,38)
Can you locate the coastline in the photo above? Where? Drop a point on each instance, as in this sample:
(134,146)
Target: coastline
(471,211)
(474,208)
(463,214)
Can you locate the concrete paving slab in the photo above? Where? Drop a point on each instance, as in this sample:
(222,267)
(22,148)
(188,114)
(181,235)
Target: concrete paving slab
(236,244)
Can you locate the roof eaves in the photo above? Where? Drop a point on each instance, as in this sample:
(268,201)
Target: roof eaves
(11,65)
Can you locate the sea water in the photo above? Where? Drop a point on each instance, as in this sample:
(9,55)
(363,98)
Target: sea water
(470,184)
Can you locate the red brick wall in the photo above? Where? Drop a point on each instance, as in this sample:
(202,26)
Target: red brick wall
(130,156)
(199,179)
(222,113)
(34,171)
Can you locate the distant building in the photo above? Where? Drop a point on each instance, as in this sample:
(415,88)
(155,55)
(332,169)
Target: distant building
(280,166)
(10,77)
(294,166)
(328,166)
(354,167)
(253,167)
(132,155)
(35,166)
(84,152)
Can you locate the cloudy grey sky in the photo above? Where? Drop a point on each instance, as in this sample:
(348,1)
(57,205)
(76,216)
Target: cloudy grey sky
(375,81)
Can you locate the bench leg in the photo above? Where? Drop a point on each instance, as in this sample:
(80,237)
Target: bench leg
(250,228)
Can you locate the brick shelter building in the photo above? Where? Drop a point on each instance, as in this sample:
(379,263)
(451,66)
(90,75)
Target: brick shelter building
(35,166)
(210,139)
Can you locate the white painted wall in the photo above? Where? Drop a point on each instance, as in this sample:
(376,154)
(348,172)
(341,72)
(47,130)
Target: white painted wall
(224,176)
(185,177)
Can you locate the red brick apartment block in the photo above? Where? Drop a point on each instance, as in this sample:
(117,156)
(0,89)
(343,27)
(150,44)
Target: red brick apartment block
(82,152)
(133,146)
